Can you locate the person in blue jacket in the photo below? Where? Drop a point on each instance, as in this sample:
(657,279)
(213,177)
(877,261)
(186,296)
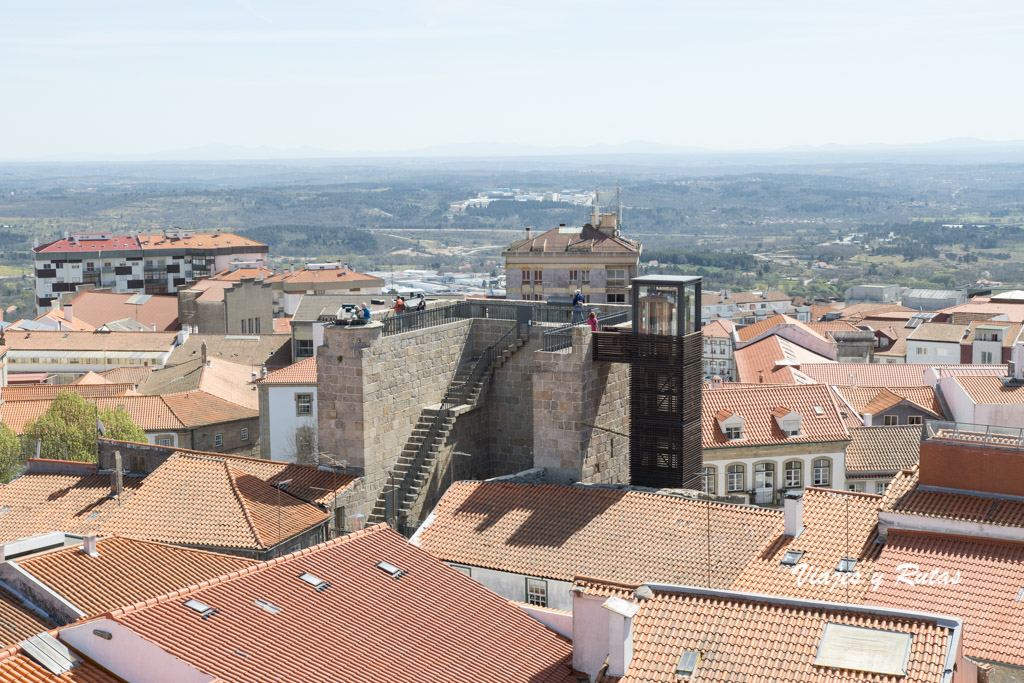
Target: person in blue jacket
(577,308)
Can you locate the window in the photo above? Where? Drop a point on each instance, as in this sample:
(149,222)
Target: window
(245,433)
(585,276)
(538,276)
(736,477)
(303,404)
(242,326)
(616,277)
(709,480)
(921,351)
(616,298)
(822,472)
(764,475)
(846,565)
(734,433)
(256,321)
(986,357)
(218,440)
(537,592)
(794,474)
(574,276)
(914,420)
(856,487)
(892,420)
(526,276)
(163,441)
(303,348)
(468,571)
(792,558)
(880,487)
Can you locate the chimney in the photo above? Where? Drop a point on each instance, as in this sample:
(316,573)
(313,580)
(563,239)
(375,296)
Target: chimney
(89,546)
(760,376)
(1017,362)
(203,351)
(716,382)
(794,513)
(69,313)
(291,269)
(183,334)
(867,419)
(527,232)
(117,474)
(620,634)
(67,235)
(35,243)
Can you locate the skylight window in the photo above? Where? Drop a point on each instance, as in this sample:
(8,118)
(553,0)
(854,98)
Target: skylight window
(266,605)
(391,569)
(688,663)
(1020,595)
(201,608)
(315,581)
(818,411)
(792,558)
(846,565)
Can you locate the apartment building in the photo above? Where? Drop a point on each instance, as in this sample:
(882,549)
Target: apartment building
(138,263)
(594,259)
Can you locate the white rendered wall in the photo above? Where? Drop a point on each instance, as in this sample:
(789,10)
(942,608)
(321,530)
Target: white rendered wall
(283,421)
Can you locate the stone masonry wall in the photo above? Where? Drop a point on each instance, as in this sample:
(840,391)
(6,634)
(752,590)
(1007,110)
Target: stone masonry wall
(575,401)
(369,401)
(510,402)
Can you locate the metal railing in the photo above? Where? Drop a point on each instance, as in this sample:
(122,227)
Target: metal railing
(983,435)
(561,337)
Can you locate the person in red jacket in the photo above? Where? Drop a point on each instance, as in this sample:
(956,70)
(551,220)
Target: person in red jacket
(592,321)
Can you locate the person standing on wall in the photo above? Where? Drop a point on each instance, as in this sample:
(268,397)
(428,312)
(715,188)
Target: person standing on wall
(421,305)
(577,308)
(592,321)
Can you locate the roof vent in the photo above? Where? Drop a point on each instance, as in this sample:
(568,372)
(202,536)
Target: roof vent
(1020,595)
(201,608)
(315,582)
(50,653)
(391,569)
(688,663)
(266,605)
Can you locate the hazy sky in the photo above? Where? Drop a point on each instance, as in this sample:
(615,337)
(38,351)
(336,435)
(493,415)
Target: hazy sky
(109,79)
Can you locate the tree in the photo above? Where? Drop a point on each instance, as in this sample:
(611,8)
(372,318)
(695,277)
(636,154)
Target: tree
(10,454)
(68,428)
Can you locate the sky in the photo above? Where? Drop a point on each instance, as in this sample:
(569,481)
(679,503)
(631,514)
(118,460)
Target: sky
(109,80)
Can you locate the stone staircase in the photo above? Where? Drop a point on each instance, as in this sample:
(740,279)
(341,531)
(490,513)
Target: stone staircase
(429,437)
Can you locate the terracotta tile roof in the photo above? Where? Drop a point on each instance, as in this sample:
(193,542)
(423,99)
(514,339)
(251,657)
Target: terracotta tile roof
(972,371)
(991,390)
(303,372)
(748,332)
(208,502)
(824,543)
(585,239)
(883,449)
(91,378)
(991,575)
(126,571)
(871,374)
(764,356)
(718,328)
(99,308)
(904,496)
(272,350)
(818,312)
(46,340)
(18,621)
(204,240)
(212,290)
(221,378)
(197,408)
(41,502)
(559,532)
(858,311)
(368,626)
(939,332)
(983,309)
(135,375)
(744,637)
(282,325)
(1011,331)
(876,400)
(39,392)
(17,667)
(78,325)
(85,243)
(327,276)
(756,405)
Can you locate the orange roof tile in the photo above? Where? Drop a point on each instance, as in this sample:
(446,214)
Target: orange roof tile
(559,532)
(873,374)
(975,308)
(876,400)
(368,626)
(939,332)
(757,404)
(303,372)
(904,496)
(1011,331)
(77,324)
(91,378)
(40,502)
(208,502)
(196,408)
(99,308)
(314,276)
(204,240)
(866,309)
(218,377)
(990,576)
(749,637)
(760,362)
(585,239)
(883,448)
(46,340)
(17,667)
(824,543)
(133,374)
(748,332)
(991,390)
(718,328)
(126,571)
(37,392)
(242,274)
(18,621)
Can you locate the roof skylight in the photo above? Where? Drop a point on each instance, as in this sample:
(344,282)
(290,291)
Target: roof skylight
(201,608)
(315,582)
(792,558)
(391,569)
(846,565)
(688,663)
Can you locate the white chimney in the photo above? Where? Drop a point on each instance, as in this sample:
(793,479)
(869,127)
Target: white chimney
(794,513)
(291,269)
(620,634)
(69,313)
(1017,356)
(89,546)
(716,382)
(867,419)
(183,334)
(153,325)
(527,232)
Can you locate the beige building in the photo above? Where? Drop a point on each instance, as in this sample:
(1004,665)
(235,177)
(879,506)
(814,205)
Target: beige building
(551,266)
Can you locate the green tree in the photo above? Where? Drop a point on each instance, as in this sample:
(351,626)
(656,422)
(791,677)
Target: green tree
(11,461)
(68,428)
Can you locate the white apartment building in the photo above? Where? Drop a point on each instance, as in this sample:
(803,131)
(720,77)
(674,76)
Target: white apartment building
(139,263)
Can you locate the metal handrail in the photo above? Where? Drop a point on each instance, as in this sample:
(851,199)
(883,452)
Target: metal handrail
(561,337)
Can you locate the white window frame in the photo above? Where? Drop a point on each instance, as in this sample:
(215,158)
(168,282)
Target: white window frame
(245,434)
(823,466)
(218,440)
(536,592)
(731,475)
(880,487)
(710,480)
(788,469)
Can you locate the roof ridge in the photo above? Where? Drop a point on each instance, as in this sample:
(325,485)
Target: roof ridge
(861,494)
(245,571)
(242,502)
